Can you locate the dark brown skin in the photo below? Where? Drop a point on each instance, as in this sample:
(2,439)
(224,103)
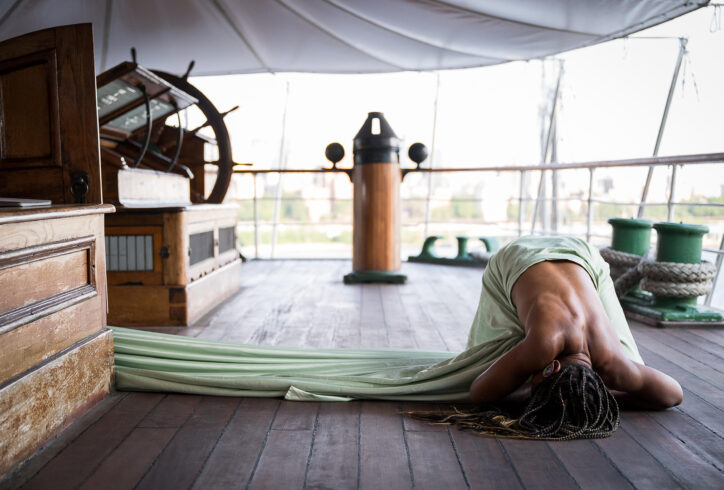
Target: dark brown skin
(565,322)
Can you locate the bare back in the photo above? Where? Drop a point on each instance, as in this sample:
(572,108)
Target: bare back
(564,320)
(560,299)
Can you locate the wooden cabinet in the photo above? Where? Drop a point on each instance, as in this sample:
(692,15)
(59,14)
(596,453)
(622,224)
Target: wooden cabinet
(48,122)
(56,354)
(170,266)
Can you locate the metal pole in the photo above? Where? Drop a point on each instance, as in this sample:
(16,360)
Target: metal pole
(432,155)
(536,203)
(521,202)
(718,262)
(554,180)
(282,165)
(546,146)
(590,204)
(672,190)
(256,221)
(662,125)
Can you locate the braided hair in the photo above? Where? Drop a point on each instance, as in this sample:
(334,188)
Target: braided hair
(571,404)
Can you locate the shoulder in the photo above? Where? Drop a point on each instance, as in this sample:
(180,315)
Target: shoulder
(560,243)
(616,371)
(521,254)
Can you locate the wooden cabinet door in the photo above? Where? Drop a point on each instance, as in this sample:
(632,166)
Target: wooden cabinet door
(48,116)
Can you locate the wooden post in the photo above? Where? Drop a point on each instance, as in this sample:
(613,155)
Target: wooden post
(376,231)
(376,227)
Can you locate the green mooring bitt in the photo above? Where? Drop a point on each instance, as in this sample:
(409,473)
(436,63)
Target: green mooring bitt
(631,235)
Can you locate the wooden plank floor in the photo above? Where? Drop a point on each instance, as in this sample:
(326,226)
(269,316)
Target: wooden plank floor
(158,441)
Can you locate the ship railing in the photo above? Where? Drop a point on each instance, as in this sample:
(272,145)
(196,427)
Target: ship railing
(674,163)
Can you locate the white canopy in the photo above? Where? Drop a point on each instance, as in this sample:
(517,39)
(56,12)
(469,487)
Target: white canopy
(337,36)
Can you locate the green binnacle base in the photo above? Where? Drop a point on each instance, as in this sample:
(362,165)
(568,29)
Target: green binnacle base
(427,255)
(672,316)
(363,277)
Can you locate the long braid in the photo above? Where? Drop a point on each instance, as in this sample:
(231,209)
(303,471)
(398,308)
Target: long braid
(571,404)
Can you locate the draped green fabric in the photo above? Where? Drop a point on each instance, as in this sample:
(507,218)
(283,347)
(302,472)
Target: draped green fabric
(148,361)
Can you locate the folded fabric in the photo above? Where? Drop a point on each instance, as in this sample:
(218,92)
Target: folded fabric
(148,361)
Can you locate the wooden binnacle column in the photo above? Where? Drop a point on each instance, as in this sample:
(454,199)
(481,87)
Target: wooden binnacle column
(376,225)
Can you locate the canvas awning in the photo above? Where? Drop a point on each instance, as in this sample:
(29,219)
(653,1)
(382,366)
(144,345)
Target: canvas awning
(338,36)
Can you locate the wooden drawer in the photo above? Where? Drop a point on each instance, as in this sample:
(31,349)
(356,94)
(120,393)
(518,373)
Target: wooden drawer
(52,281)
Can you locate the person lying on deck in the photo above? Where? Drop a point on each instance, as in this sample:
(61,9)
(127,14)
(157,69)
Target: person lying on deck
(549,330)
(578,357)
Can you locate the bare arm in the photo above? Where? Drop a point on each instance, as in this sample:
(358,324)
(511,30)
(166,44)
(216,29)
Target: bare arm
(542,316)
(510,372)
(638,386)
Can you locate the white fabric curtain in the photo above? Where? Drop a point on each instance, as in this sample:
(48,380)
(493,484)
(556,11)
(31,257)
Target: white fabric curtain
(337,36)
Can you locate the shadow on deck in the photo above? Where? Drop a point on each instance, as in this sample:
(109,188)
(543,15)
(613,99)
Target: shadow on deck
(144,440)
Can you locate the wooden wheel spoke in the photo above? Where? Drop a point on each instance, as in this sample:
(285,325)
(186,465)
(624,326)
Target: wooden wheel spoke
(214,120)
(199,128)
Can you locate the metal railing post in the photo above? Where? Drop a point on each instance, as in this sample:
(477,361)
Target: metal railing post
(256,221)
(282,166)
(554,182)
(546,147)
(672,189)
(536,203)
(521,202)
(718,263)
(662,124)
(589,218)
(432,155)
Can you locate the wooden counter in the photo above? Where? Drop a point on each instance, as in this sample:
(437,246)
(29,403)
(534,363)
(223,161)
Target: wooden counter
(57,354)
(170,266)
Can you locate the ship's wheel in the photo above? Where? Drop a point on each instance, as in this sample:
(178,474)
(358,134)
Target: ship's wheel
(214,121)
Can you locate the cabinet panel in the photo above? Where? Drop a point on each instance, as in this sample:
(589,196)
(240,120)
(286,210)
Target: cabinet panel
(30,130)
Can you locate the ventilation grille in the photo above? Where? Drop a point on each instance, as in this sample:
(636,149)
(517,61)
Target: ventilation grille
(129,253)
(202,246)
(227,239)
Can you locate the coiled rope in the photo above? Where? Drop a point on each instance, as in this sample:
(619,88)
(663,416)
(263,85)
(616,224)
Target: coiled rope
(670,279)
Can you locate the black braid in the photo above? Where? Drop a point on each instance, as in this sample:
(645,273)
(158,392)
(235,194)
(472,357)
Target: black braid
(571,404)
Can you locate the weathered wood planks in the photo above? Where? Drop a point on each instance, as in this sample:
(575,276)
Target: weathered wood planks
(270,443)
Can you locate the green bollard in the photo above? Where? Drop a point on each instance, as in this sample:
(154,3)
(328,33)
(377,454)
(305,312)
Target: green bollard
(633,236)
(678,242)
(682,243)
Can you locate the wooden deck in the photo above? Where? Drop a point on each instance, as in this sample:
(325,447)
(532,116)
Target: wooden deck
(158,441)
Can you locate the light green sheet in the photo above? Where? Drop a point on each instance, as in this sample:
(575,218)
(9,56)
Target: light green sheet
(146,361)
(149,361)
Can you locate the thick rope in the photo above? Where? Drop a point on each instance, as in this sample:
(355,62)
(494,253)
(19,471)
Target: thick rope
(670,279)
(625,269)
